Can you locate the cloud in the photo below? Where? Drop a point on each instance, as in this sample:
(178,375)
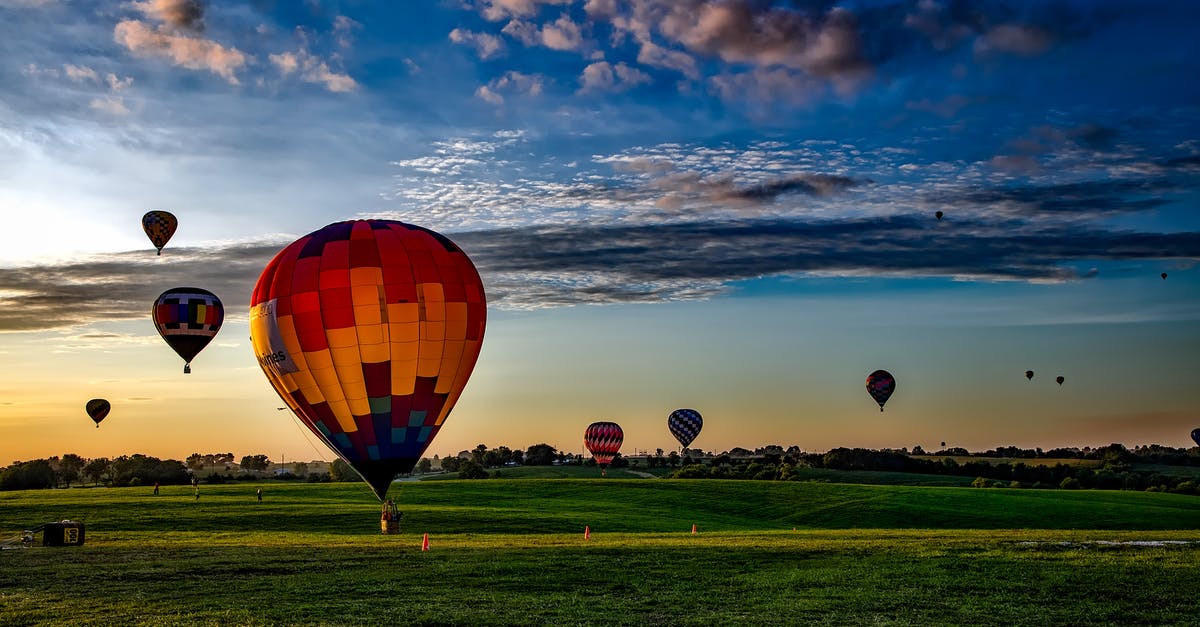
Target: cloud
(486,45)
(193,53)
(562,34)
(511,82)
(603,76)
(80,73)
(343,30)
(312,69)
(176,14)
(496,10)
(1019,39)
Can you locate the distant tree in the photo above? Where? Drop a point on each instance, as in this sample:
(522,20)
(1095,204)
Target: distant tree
(517,456)
(540,455)
(451,464)
(300,469)
(471,470)
(97,469)
(1070,483)
(339,470)
(477,454)
(255,462)
(673,459)
(195,461)
(70,467)
(32,475)
(424,466)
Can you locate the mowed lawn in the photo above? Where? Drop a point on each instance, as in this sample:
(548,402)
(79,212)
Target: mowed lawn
(512,552)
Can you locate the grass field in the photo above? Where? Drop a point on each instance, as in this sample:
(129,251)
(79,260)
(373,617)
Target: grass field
(512,552)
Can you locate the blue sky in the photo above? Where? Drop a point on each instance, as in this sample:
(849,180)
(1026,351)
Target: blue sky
(720,204)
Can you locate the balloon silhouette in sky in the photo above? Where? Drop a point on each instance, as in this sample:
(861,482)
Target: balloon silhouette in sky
(1196,436)
(938,215)
(880,385)
(188,318)
(685,425)
(159,227)
(97,409)
(368,330)
(603,440)
(1029,375)
(1060,380)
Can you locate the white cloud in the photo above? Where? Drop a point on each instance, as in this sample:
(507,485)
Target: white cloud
(486,45)
(312,69)
(193,53)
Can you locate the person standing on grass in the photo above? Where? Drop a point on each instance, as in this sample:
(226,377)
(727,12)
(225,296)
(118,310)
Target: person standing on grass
(258,493)
(155,488)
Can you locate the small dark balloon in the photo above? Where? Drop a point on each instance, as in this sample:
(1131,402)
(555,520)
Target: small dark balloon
(1164,276)
(1060,379)
(938,215)
(1029,375)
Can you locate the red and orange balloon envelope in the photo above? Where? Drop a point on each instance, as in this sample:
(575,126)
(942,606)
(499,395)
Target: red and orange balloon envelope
(368,330)
(97,409)
(603,440)
(159,227)
(880,385)
(188,318)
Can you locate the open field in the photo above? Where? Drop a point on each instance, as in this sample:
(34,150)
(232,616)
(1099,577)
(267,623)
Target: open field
(512,552)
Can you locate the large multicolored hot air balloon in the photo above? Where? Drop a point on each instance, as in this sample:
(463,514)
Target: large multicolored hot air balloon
(880,385)
(368,330)
(685,425)
(1196,436)
(603,440)
(159,227)
(188,318)
(97,409)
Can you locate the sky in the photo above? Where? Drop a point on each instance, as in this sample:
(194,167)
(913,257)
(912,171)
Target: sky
(722,205)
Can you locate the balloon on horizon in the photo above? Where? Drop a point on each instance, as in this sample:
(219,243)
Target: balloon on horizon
(1029,375)
(368,330)
(187,318)
(880,385)
(159,227)
(603,440)
(97,409)
(685,425)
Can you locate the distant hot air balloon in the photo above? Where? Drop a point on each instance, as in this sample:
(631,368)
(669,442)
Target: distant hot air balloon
(159,227)
(943,445)
(938,215)
(1029,375)
(880,385)
(97,409)
(368,330)
(188,318)
(1164,276)
(1060,380)
(603,440)
(1196,436)
(685,425)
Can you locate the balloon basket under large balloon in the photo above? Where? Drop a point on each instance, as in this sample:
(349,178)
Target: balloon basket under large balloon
(159,253)
(389,518)
(187,369)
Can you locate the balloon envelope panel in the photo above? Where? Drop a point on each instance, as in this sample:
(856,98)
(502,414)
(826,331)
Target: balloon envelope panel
(603,440)
(188,318)
(1196,436)
(880,385)
(685,425)
(368,330)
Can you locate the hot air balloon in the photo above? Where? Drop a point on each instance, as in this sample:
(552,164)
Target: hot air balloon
(685,425)
(1060,380)
(938,215)
(188,318)
(1196,436)
(159,227)
(368,330)
(880,385)
(1029,375)
(1164,276)
(603,440)
(97,408)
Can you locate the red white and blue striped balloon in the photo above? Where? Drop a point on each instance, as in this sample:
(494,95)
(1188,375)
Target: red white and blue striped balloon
(603,440)
(685,425)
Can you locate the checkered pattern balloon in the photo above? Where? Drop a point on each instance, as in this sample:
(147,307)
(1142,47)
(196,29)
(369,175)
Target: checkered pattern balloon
(1196,436)
(188,318)
(97,409)
(368,330)
(159,227)
(685,425)
(880,385)
(603,440)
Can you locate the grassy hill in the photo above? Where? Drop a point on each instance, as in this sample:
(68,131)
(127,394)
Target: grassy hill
(512,552)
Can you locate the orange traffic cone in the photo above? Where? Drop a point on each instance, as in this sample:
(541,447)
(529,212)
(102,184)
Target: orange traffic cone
(587,532)
(425,542)
(693,527)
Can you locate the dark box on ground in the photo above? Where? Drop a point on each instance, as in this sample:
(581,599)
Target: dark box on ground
(65,533)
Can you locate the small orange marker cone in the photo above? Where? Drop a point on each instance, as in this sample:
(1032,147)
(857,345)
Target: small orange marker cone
(425,542)
(587,532)
(693,527)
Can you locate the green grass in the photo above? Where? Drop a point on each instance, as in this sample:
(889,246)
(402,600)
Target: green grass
(512,552)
